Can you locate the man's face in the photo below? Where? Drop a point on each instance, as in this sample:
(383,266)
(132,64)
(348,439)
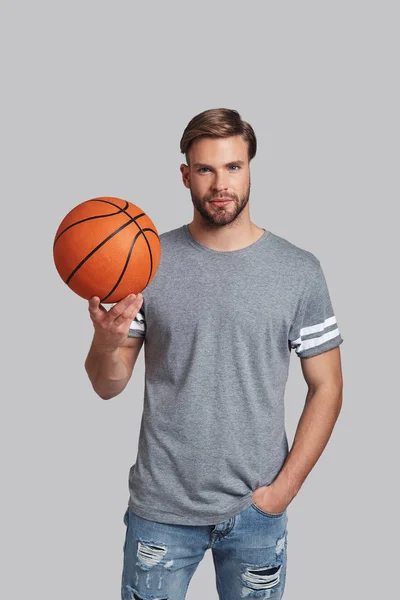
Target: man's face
(219,168)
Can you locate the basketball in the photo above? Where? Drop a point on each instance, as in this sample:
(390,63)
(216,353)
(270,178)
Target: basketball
(106,247)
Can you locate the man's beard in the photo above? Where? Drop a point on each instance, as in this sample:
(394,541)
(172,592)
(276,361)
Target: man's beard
(220,215)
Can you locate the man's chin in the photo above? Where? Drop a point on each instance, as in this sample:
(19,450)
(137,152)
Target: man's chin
(221,220)
(220,211)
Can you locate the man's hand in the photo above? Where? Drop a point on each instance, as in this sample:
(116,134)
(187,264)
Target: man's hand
(112,326)
(271,498)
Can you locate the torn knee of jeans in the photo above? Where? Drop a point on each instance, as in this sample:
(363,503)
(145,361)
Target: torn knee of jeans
(150,554)
(261,581)
(135,596)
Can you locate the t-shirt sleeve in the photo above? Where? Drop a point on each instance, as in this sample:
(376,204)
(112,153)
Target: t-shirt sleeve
(138,326)
(315,329)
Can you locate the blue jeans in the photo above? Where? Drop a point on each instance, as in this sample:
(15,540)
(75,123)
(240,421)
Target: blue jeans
(249,552)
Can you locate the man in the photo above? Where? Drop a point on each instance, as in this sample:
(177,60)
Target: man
(228,303)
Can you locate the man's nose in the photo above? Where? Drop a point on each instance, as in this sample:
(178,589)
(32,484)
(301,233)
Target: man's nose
(219,184)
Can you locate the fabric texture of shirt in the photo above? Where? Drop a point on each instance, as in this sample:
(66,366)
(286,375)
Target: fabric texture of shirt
(219,328)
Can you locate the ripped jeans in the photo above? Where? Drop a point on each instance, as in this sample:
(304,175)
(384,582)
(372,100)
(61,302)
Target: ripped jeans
(249,552)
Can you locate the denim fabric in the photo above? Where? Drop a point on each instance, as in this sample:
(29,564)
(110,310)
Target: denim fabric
(249,552)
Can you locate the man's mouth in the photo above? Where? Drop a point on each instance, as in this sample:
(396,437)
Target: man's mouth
(221,201)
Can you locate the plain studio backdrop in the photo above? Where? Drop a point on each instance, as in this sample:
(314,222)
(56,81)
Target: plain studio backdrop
(95,97)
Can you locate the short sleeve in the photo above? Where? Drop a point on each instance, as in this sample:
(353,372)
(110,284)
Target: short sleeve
(138,325)
(315,329)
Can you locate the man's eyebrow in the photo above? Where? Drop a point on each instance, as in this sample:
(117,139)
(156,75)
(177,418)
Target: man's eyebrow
(233,162)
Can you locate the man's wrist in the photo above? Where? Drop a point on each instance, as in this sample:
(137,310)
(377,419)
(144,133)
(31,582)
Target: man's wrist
(104,348)
(285,486)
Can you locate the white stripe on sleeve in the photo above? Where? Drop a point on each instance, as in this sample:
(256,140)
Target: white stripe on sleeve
(301,345)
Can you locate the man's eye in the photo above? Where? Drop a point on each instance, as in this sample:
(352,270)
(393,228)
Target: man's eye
(236,167)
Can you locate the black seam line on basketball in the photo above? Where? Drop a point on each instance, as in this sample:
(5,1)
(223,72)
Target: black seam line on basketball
(112,204)
(151,260)
(150,252)
(89,219)
(128,214)
(146,240)
(132,220)
(128,259)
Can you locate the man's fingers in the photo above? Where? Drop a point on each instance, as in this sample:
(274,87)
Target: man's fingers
(95,307)
(127,316)
(124,308)
(94,303)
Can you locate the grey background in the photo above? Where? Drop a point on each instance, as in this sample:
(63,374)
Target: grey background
(95,97)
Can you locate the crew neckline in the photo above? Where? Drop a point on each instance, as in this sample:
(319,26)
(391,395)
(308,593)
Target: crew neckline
(185,228)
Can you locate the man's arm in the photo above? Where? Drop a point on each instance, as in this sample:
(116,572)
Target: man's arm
(109,372)
(112,354)
(323,375)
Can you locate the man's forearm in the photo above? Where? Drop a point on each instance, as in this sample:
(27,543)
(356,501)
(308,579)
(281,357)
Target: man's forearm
(106,370)
(314,429)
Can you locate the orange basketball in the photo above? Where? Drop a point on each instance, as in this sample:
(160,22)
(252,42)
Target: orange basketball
(107,247)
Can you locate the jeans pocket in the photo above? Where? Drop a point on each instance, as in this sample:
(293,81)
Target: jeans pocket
(267,514)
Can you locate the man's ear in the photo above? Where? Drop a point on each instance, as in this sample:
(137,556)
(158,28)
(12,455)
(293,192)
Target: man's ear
(185,174)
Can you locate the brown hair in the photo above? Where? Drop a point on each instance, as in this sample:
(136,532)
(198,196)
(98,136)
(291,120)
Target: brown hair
(216,123)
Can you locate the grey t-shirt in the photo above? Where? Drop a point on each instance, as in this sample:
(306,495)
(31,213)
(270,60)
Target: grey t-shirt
(219,327)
